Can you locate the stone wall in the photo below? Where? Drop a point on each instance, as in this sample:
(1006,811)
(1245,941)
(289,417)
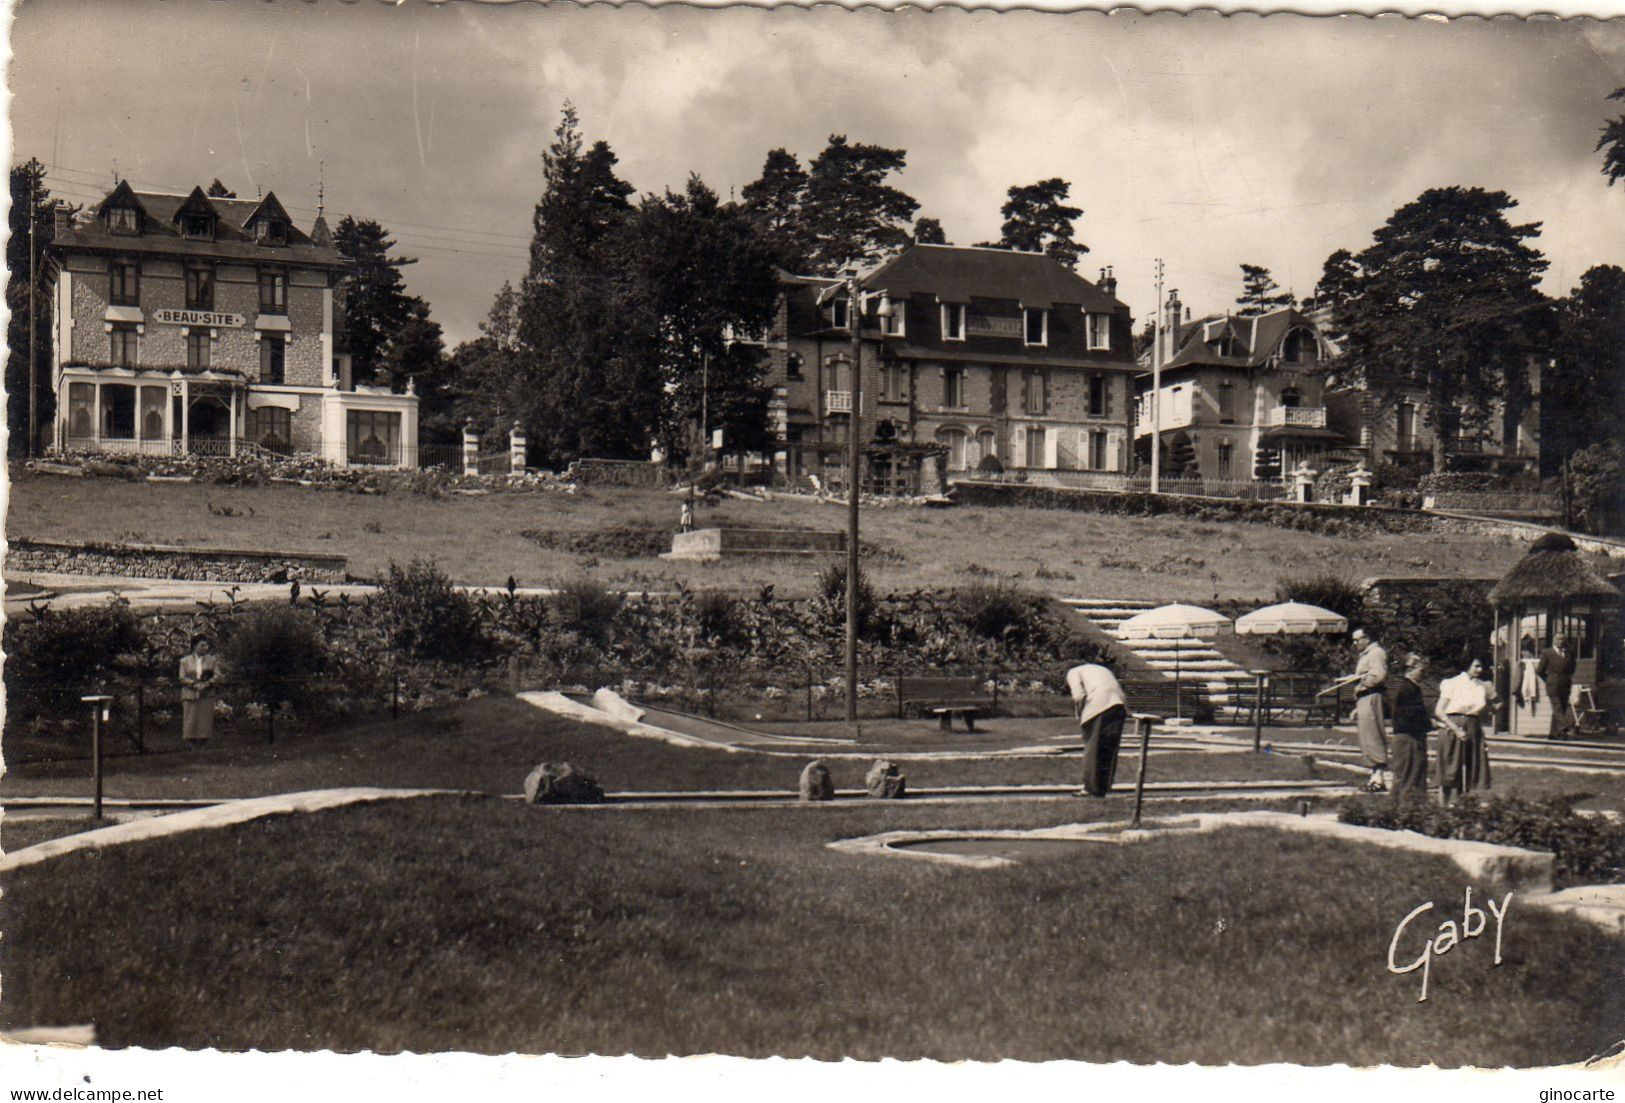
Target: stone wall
(160,561)
(617,473)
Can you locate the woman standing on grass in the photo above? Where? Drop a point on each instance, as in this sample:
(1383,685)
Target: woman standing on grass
(1411,723)
(199,668)
(1465,703)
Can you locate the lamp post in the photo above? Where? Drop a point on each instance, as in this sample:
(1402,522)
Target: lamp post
(854,451)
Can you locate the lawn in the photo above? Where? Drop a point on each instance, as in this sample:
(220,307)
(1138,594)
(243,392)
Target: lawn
(491,743)
(478,540)
(488,926)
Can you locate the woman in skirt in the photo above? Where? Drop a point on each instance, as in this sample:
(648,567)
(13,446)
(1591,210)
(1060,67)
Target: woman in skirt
(199,669)
(1466,703)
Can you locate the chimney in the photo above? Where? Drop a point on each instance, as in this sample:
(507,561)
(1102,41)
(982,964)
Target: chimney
(1173,314)
(1108,282)
(61,218)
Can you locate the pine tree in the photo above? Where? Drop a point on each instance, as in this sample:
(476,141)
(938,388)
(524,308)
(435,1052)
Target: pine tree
(774,205)
(1444,303)
(217,190)
(1037,220)
(376,305)
(1612,144)
(1259,292)
(850,215)
(28,191)
(1583,394)
(928,231)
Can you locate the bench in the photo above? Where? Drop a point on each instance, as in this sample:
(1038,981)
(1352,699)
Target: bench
(944,698)
(1290,692)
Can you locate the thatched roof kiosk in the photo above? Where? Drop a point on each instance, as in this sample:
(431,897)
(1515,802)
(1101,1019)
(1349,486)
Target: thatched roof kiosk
(1553,591)
(1553,573)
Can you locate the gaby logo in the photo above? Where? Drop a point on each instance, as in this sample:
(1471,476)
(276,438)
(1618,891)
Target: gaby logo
(1473,922)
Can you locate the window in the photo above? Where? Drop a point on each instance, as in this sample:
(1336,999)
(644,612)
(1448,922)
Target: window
(271,427)
(1227,400)
(1035,448)
(953,322)
(374,436)
(1406,427)
(1290,398)
(271,231)
(894,383)
(152,412)
(1036,325)
(894,325)
(123,284)
(1301,347)
(123,351)
(273,355)
(124,220)
(118,411)
(198,227)
(954,439)
(1227,453)
(200,288)
(792,366)
(1100,332)
(197,349)
(837,313)
(1035,391)
(81,404)
(953,387)
(1097,450)
(273,292)
(987,444)
(1097,396)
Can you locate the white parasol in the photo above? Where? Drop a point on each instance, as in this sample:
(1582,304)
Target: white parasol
(1174,622)
(1291,618)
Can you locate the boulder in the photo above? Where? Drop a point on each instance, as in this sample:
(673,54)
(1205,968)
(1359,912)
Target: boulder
(884,780)
(815,783)
(561,783)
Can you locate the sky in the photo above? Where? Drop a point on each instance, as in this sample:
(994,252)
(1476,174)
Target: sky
(1206,141)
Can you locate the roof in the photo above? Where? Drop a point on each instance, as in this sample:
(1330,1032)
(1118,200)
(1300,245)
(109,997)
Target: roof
(1552,572)
(161,230)
(956,273)
(1256,338)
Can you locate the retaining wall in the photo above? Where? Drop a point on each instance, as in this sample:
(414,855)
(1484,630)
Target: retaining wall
(163,561)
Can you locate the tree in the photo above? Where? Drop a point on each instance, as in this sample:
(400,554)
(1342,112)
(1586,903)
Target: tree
(1612,144)
(1583,392)
(217,190)
(1037,220)
(376,305)
(928,231)
(1443,304)
(774,206)
(698,276)
(28,193)
(1260,294)
(850,215)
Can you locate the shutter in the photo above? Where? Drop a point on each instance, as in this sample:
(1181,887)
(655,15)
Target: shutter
(1116,454)
(1052,442)
(1018,448)
(1108,388)
(1043,381)
(942,387)
(1026,391)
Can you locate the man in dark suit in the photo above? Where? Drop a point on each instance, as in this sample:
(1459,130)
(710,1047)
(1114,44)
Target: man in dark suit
(1556,671)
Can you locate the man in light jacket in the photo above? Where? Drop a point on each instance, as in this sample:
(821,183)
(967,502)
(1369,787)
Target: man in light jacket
(1098,701)
(1370,680)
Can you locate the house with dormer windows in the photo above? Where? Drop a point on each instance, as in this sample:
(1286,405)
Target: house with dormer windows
(974,352)
(193,323)
(1242,397)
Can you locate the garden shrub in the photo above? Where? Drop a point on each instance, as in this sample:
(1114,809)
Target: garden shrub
(831,599)
(70,648)
(587,607)
(1596,486)
(1329,591)
(714,614)
(996,610)
(1588,848)
(275,651)
(626,542)
(424,616)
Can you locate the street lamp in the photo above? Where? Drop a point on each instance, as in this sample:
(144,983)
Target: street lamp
(854,421)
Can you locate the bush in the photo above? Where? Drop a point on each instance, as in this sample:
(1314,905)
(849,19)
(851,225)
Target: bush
(1329,591)
(1588,848)
(997,610)
(587,608)
(70,648)
(275,651)
(832,597)
(714,613)
(426,617)
(1596,485)
(990,465)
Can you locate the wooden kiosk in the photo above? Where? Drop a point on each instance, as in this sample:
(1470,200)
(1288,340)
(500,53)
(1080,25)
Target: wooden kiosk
(1554,590)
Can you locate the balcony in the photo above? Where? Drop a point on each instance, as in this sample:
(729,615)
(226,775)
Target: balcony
(1296,417)
(838,402)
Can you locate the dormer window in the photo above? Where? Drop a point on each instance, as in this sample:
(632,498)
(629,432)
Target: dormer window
(893,325)
(1301,348)
(1036,325)
(1100,332)
(124,220)
(198,227)
(271,231)
(837,314)
(953,321)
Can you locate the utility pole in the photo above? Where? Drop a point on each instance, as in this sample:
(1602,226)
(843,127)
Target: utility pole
(1156,388)
(33,355)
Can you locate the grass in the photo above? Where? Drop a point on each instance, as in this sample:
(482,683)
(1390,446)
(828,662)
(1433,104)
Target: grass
(487,926)
(491,743)
(1053,551)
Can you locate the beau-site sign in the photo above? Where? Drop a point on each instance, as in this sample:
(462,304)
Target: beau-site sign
(196,318)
